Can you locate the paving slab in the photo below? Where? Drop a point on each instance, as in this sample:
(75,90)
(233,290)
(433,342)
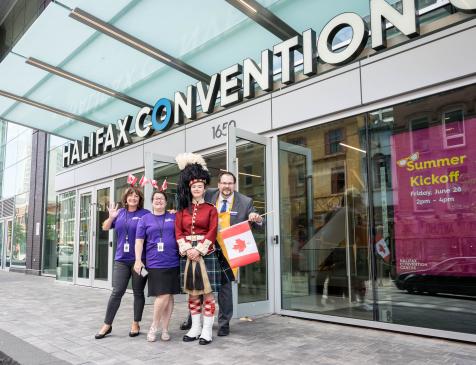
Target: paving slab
(51,322)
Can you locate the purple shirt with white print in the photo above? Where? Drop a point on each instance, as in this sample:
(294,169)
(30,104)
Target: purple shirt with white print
(125,225)
(158,232)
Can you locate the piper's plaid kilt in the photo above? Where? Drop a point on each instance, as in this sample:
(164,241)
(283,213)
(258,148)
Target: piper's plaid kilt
(214,271)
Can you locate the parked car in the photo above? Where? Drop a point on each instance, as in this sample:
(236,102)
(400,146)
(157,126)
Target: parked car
(456,275)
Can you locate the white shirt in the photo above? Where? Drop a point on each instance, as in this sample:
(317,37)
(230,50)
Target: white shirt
(229,201)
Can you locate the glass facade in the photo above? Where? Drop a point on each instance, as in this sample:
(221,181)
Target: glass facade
(324,220)
(377,218)
(50,241)
(65,224)
(15,169)
(422,167)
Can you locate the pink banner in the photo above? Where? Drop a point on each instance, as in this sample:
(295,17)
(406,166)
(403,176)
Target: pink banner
(434,195)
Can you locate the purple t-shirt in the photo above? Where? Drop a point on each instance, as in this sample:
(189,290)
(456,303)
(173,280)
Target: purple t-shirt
(125,226)
(158,232)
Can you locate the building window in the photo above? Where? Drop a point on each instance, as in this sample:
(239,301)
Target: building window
(453,128)
(337,180)
(333,139)
(419,134)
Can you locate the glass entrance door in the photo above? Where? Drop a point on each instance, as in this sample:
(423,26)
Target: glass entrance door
(162,169)
(249,158)
(93,255)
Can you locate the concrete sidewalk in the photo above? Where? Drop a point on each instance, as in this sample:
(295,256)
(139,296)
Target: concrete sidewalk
(43,321)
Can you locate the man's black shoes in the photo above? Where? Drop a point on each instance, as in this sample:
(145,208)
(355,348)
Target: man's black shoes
(187,324)
(223,331)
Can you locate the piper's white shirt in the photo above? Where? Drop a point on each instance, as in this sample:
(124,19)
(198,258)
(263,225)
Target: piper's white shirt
(229,201)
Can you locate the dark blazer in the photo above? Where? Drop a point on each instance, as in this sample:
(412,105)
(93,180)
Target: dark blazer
(243,206)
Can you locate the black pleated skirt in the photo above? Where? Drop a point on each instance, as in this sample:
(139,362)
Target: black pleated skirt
(163,281)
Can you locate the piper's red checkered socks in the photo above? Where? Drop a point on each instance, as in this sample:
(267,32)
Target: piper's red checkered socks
(209,307)
(194,306)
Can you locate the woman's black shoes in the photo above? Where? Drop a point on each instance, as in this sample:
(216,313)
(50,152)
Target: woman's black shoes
(134,334)
(98,336)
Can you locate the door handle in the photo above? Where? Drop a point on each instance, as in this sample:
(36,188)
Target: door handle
(276,239)
(110,243)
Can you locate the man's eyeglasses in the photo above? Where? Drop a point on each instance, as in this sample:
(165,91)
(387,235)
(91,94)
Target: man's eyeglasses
(228,183)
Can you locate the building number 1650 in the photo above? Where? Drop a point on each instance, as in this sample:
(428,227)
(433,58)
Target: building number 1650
(220,130)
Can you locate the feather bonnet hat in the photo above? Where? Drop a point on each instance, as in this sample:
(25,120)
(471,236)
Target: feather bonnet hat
(193,169)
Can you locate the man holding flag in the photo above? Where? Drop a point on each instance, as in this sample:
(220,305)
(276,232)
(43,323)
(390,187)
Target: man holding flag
(232,208)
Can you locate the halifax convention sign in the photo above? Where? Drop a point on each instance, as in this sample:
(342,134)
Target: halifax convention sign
(237,82)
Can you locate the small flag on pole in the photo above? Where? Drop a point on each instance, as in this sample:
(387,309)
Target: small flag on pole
(240,245)
(164,185)
(382,249)
(131,180)
(143,181)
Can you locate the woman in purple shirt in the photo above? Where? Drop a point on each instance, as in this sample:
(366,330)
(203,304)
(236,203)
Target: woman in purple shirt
(157,230)
(124,221)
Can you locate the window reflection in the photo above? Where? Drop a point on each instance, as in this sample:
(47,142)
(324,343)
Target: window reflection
(425,220)
(323,200)
(18,254)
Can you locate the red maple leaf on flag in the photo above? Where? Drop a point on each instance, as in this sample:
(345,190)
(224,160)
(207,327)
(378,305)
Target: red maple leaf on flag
(240,245)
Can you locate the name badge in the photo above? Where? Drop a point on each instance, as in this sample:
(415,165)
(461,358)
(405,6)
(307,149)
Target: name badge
(233,213)
(126,247)
(160,246)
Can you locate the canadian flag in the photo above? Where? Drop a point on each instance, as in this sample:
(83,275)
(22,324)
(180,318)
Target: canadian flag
(382,249)
(131,180)
(154,184)
(164,185)
(240,245)
(143,181)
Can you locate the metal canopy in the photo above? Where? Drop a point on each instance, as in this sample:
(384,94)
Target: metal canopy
(77,77)
(264,17)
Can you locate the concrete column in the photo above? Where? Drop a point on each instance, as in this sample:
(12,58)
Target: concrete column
(37,199)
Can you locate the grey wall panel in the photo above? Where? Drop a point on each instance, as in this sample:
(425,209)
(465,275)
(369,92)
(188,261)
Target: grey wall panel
(254,117)
(330,95)
(440,61)
(65,180)
(170,145)
(127,160)
(99,169)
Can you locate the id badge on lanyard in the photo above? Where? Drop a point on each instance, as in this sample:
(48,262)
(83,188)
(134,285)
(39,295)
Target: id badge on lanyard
(160,246)
(126,245)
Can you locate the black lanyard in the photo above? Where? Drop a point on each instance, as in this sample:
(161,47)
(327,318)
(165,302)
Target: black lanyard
(127,223)
(161,229)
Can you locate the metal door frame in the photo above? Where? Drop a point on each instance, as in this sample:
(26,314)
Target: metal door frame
(3,249)
(92,281)
(150,158)
(266,306)
(3,252)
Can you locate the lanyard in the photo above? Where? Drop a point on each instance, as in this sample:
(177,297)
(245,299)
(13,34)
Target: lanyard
(161,229)
(127,225)
(127,222)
